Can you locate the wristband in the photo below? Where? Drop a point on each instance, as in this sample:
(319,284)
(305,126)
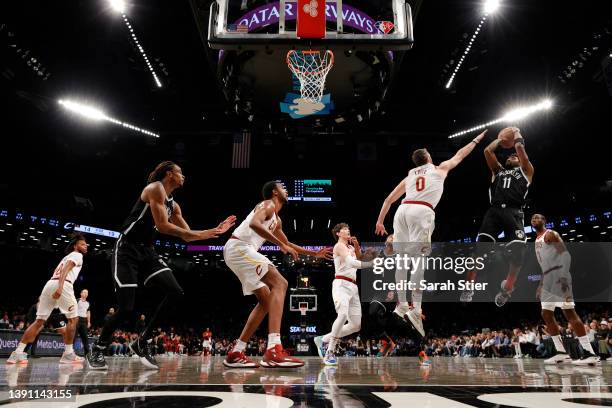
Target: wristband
(520,140)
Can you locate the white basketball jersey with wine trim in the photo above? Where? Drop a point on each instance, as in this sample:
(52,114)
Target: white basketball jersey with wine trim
(245,233)
(425,183)
(342,269)
(547,254)
(73,273)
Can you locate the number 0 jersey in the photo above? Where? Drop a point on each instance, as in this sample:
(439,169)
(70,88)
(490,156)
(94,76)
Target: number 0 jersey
(509,188)
(426,184)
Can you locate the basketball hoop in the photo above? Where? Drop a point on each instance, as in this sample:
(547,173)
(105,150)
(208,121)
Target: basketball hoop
(311,69)
(303,308)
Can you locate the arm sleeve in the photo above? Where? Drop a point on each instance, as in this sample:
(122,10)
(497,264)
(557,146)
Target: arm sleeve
(352,262)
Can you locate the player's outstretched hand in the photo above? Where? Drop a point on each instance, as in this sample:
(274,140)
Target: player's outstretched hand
(380,229)
(354,242)
(286,249)
(208,234)
(226,224)
(481,136)
(325,253)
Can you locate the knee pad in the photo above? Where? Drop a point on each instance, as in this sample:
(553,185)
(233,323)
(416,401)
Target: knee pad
(515,252)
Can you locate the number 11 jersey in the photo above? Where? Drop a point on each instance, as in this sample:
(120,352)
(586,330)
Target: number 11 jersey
(509,188)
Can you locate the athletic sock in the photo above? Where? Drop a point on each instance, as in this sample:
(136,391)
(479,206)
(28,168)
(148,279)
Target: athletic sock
(273,340)
(417,297)
(559,344)
(68,349)
(239,346)
(21,348)
(471,276)
(586,344)
(331,348)
(510,283)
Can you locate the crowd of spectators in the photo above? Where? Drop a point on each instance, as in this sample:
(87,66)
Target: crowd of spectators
(529,341)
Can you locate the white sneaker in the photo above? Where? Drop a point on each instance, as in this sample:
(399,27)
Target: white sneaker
(466,296)
(17,358)
(401,310)
(558,358)
(416,320)
(588,359)
(71,358)
(321,347)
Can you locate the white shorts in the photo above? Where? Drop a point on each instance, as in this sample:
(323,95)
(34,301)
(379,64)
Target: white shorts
(557,289)
(346,298)
(413,225)
(247,264)
(66,303)
(206,344)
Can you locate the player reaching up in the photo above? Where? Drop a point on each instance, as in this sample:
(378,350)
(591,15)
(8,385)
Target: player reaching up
(555,291)
(260,277)
(414,219)
(508,191)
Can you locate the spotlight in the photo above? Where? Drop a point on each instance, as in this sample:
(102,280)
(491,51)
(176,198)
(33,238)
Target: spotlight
(88,112)
(491,6)
(118,5)
(514,115)
(93,113)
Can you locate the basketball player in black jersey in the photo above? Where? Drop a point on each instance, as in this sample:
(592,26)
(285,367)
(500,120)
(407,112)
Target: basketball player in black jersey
(134,261)
(508,191)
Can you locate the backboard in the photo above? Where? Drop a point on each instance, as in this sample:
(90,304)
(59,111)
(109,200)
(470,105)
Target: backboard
(350,24)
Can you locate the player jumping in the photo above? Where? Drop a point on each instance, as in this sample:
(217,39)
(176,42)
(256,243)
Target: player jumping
(508,191)
(555,291)
(414,220)
(260,277)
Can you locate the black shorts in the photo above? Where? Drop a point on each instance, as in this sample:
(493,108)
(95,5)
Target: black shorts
(510,221)
(134,264)
(57,321)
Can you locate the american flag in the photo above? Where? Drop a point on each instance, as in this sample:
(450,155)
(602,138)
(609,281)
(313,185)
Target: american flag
(241,157)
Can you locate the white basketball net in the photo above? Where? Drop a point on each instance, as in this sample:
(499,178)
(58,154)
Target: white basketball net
(311,69)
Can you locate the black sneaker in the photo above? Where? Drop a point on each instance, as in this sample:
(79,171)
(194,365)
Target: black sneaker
(143,350)
(95,359)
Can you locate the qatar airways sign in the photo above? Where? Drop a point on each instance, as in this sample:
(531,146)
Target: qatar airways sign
(268,14)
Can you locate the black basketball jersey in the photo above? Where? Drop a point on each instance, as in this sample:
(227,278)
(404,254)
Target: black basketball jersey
(139,226)
(509,188)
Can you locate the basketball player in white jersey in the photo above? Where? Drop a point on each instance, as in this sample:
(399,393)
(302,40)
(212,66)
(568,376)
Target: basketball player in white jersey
(555,291)
(347,259)
(57,293)
(260,277)
(414,220)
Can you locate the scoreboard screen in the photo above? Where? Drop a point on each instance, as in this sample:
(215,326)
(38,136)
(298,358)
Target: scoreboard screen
(309,190)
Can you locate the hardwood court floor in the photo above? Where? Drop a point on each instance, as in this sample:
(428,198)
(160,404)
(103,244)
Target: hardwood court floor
(355,382)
